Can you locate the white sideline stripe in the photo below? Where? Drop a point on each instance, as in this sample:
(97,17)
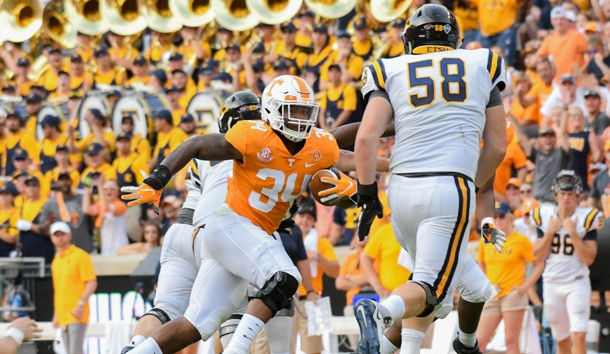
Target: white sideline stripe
(339,325)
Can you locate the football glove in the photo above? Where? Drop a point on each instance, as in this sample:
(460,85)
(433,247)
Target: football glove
(368,200)
(343,187)
(491,234)
(142,194)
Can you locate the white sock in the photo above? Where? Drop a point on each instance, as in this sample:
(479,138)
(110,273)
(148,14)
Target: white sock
(246,331)
(149,346)
(395,307)
(468,339)
(411,341)
(386,347)
(136,340)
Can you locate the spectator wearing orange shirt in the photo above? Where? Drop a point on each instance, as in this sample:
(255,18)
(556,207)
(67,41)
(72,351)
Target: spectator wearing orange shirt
(514,159)
(565,47)
(536,96)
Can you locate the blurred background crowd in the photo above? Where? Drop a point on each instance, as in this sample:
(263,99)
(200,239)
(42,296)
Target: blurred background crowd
(96,94)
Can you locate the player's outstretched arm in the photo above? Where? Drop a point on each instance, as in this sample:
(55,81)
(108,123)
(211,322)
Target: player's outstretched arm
(377,116)
(211,147)
(346,134)
(494,146)
(347,162)
(205,147)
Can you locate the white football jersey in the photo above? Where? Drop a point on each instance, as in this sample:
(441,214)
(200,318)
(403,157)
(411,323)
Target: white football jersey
(193,182)
(439,101)
(563,265)
(213,190)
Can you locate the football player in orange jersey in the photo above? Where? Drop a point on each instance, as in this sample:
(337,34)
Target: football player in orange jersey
(274,161)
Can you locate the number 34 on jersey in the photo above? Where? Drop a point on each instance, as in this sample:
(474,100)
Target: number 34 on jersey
(269,178)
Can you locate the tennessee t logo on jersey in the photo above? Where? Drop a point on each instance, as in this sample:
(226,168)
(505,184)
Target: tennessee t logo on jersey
(264,155)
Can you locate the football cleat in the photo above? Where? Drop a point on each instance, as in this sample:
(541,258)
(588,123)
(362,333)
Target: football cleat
(462,349)
(127,348)
(372,324)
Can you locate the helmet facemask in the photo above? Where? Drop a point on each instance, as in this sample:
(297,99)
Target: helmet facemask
(294,120)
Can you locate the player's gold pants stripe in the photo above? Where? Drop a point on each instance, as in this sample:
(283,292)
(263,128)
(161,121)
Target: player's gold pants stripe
(194,168)
(379,74)
(590,218)
(536,215)
(451,258)
(193,236)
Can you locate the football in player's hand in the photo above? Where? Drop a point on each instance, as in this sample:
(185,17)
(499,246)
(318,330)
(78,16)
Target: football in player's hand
(316,186)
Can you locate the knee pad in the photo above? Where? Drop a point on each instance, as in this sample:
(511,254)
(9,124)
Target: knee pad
(227,328)
(287,311)
(159,314)
(277,291)
(431,299)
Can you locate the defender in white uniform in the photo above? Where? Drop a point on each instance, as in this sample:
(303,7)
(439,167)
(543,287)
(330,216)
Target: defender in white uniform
(567,240)
(444,101)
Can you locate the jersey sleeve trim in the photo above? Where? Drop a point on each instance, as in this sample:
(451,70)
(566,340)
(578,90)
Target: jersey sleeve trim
(493,65)
(194,169)
(378,71)
(590,217)
(536,216)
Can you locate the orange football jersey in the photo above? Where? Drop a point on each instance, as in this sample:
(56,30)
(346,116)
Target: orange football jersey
(269,178)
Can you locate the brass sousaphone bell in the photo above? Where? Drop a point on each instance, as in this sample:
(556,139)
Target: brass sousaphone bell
(21,19)
(274,11)
(86,15)
(192,13)
(234,15)
(331,8)
(389,10)
(57,25)
(159,16)
(124,17)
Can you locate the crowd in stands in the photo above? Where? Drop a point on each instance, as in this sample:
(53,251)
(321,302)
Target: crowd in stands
(558,60)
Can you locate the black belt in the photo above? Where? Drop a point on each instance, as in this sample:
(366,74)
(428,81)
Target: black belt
(434,174)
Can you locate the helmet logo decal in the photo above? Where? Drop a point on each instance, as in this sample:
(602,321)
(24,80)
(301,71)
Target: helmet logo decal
(275,82)
(447,28)
(264,155)
(303,89)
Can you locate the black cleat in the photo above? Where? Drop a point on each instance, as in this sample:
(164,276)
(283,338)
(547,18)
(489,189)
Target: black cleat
(372,324)
(462,349)
(127,348)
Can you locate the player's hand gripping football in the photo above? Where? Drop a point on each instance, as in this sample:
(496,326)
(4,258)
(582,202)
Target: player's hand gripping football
(343,187)
(368,200)
(491,234)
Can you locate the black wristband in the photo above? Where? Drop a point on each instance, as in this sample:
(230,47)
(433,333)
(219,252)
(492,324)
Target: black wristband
(159,177)
(368,189)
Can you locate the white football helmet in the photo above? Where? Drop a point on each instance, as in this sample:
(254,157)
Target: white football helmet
(289,107)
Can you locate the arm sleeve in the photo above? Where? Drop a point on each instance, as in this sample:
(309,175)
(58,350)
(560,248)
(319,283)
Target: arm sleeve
(237,136)
(86,269)
(591,235)
(495,98)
